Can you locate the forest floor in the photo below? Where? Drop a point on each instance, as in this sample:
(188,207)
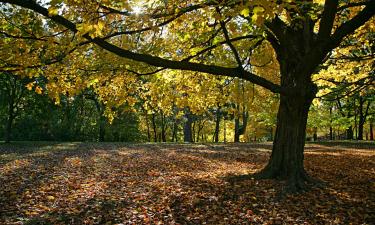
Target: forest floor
(113,183)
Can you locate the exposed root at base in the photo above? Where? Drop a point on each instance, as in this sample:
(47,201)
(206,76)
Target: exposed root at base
(298,183)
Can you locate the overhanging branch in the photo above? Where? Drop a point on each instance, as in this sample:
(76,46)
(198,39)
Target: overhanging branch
(149,59)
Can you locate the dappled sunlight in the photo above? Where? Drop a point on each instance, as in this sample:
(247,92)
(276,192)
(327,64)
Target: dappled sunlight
(141,184)
(14,165)
(353,152)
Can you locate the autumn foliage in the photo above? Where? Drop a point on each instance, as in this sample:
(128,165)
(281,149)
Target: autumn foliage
(74,183)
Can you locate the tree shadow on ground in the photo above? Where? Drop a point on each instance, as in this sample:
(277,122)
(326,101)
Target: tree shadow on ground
(186,184)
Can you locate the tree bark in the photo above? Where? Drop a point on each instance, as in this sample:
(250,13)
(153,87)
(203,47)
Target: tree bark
(315,136)
(286,160)
(217,125)
(349,133)
(236,129)
(163,128)
(362,116)
(188,134)
(330,124)
(154,127)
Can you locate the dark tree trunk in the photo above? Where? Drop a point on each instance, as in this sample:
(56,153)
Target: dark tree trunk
(225,132)
(163,128)
(217,125)
(315,136)
(240,129)
(102,122)
(330,133)
(237,129)
(188,131)
(148,128)
(362,116)
(349,133)
(286,160)
(330,124)
(154,127)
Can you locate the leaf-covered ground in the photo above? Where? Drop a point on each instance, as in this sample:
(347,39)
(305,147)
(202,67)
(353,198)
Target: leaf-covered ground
(75,183)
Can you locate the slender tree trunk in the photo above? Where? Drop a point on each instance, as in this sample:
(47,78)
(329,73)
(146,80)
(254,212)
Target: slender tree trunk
(154,127)
(188,134)
(237,129)
(217,125)
(225,132)
(163,129)
(349,133)
(315,136)
(330,124)
(362,116)
(355,120)
(102,121)
(148,128)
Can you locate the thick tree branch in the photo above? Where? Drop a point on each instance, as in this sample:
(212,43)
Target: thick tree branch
(151,60)
(350,26)
(328,17)
(232,47)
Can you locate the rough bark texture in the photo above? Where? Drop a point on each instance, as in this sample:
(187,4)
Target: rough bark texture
(286,161)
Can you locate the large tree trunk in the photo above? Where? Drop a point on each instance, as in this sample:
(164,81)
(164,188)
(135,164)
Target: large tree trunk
(286,160)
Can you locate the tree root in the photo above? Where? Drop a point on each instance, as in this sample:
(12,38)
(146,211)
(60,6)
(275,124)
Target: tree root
(299,183)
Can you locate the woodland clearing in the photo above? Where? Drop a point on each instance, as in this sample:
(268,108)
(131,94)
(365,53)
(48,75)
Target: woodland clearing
(115,183)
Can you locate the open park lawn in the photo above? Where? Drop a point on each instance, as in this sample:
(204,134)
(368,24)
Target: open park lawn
(82,183)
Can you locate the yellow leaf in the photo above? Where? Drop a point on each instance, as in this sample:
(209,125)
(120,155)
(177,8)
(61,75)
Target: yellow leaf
(30,86)
(245,12)
(38,90)
(50,197)
(53,11)
(258,10)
